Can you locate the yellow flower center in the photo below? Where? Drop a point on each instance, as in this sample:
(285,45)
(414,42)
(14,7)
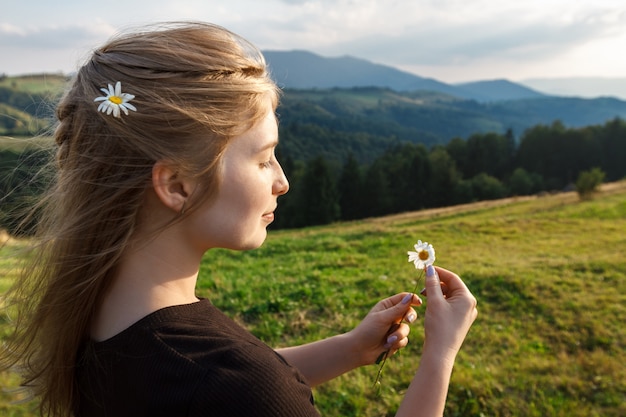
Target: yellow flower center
(116,100)
(423,255)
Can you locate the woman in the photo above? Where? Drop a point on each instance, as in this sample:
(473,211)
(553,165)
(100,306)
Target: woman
(166,142)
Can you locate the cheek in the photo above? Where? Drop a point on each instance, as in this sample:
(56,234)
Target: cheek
(245,194)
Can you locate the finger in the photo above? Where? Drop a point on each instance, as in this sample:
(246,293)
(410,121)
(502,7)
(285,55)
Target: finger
(400,344)
(396,338)
(410,316)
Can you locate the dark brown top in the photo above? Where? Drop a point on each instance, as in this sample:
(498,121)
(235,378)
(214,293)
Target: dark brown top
(188,360)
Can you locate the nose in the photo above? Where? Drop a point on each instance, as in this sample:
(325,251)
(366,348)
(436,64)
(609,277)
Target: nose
(281,184)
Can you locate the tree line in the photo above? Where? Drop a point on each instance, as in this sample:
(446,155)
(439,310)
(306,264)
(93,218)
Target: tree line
(485,166)
(405,177)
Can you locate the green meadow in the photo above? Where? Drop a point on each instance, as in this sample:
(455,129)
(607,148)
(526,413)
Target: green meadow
(549,274)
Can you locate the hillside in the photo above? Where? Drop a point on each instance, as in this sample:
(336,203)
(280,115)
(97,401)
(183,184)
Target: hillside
(363,121)
(366,121)
(549,339)
(499,90)
(26,103)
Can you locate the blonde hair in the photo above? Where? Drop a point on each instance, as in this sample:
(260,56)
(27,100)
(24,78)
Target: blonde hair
(196,85)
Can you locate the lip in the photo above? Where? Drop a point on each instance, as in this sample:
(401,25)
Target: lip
(269,216)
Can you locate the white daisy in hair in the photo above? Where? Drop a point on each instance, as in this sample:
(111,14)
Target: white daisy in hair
(115,100)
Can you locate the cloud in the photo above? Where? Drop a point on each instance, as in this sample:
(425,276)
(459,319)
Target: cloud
(52,37)
(501,37)
(453,43)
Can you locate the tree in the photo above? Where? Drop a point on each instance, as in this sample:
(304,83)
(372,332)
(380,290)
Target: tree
(406,171)
(318,202)
(378,200)
(351,193)
(486,187)
(521,182)
(490,153)
(457,149)
(559,154)
(445,178)
(612,138)
(588,182)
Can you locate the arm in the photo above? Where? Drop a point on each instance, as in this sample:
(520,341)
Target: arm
(326,359)
(448,319)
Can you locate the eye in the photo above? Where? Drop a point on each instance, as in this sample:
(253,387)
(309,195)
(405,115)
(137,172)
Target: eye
(270,162)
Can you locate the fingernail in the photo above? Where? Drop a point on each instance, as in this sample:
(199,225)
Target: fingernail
(411,318)
(430,271)
(390,341)
(407,298)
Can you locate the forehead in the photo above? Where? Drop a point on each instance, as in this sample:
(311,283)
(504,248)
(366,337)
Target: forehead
(262,135)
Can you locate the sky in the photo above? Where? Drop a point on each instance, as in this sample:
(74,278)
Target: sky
(449,40)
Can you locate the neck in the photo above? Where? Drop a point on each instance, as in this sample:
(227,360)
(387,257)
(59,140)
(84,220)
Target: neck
(159,273)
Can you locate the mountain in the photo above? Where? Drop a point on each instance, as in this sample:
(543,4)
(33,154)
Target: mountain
(305,70)
(499,90)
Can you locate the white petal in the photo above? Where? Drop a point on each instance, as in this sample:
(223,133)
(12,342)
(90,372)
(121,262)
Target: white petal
(127,97)
(129,106)
(100,99)
(116,111)
(118,88)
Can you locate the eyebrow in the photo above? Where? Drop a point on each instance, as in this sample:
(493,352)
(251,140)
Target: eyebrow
(268,145)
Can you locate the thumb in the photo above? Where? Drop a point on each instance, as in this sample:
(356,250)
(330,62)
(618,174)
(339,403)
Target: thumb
(433,284)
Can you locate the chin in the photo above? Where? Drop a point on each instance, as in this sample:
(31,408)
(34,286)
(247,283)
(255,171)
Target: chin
(253,243)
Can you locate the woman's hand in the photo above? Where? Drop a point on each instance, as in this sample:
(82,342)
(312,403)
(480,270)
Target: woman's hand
(450,311)
(326,359)
(385,327)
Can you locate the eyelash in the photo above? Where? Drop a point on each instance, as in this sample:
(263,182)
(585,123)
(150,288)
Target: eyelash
(269,163)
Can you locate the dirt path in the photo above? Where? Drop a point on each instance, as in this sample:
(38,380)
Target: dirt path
(564,197)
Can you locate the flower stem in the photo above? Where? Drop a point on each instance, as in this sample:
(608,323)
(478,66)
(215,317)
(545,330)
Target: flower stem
(383,356)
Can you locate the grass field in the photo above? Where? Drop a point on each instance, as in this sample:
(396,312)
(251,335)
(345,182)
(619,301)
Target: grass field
(549,274)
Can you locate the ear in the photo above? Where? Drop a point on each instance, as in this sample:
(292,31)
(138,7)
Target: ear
(170,187)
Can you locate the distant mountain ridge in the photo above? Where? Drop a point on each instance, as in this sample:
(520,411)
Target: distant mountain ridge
(300,69)
(499,90)
(584,87)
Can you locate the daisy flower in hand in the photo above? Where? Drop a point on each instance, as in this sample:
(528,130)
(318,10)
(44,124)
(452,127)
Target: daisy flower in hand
(115,100)
(423,256)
